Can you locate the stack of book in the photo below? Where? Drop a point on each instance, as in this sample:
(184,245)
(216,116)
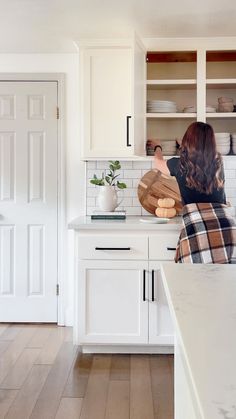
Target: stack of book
(108,215)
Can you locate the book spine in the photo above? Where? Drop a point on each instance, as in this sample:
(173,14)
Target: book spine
(108,217)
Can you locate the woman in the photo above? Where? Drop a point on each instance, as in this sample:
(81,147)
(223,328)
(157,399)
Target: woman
(209,233)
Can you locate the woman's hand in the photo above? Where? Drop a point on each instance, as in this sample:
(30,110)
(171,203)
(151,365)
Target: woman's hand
(153,143)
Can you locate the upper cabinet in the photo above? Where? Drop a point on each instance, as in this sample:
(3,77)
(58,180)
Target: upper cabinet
(130,93)
(112,88)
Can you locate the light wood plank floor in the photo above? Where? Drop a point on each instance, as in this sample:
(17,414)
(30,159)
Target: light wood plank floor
(44,376)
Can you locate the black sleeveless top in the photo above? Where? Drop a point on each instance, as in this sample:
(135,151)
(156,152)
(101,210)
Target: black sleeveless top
(190,196)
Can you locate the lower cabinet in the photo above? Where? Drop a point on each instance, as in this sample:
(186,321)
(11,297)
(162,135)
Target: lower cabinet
(160,326)
(121,302)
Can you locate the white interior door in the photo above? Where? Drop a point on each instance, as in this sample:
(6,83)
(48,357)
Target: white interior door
(28,201)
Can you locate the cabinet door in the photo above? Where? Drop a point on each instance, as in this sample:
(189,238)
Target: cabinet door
(161,330)
(112,302)
(107,102)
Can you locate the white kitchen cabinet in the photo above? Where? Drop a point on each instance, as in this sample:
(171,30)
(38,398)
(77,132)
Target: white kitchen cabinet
(119,297)
(112,302)
(161,331)
(112,86)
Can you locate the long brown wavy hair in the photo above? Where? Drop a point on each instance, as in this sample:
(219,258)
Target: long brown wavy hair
(200,162)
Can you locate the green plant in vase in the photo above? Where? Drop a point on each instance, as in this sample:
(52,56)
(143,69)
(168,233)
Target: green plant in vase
(111,177)
(107,198)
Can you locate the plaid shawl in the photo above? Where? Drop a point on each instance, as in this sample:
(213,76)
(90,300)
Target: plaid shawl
(208,235)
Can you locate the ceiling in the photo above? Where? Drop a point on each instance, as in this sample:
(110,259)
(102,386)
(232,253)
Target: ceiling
(52,25)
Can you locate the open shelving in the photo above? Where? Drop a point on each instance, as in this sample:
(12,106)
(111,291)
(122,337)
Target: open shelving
(171,76)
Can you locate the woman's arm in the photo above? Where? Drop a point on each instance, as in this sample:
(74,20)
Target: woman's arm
(159,162)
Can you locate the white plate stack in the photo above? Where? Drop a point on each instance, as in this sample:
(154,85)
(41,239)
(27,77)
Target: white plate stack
(234,142)
(164,106)
(210,109)
(168,147)
(223,142)
(193,109)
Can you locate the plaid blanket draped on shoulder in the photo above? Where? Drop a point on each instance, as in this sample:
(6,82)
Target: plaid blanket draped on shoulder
(208,235)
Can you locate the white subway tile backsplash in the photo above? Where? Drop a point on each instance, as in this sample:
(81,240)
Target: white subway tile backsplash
(126,164)
(127,202)
(130,192)
(103,165)
(144,212)
(230,174)
(135,202)
(91,173)
(142,165)
(91,165)
(230,192)
(91,202)
(133,210)
(230,162)
(128,182)
(230,183)
(131,173)
(135,183)
(91,192)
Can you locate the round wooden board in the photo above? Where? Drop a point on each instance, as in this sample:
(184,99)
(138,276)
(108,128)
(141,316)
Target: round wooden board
(155,185)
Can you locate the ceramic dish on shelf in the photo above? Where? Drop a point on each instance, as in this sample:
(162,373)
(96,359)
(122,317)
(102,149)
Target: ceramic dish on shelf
(154,220)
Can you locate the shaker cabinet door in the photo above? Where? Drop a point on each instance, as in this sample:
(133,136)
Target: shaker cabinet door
(112,302)
(107,107)
(161,330)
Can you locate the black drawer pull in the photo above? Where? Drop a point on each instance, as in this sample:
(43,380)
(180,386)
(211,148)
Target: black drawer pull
(171,248)
(127,131)
(144,285)
(112,248)
(153,291)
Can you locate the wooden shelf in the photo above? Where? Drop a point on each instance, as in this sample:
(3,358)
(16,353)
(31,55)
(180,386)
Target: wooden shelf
(177,115)
(171,84)
(212,56)
(221,83)
(171,57)
(221,115)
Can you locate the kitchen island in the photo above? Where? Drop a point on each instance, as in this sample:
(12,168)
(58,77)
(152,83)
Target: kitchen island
(202,301)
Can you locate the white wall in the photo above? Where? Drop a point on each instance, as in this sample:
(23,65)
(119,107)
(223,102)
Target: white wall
(67,64)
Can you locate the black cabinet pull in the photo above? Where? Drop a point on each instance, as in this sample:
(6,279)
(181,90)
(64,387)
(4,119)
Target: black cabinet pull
(171,248)
(127,131)
(112,248)
(144,285)
(153,284)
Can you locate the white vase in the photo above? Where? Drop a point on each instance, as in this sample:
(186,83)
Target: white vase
(107,198)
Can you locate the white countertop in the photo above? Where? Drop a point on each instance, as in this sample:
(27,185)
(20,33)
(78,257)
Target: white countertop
(131,223)
(202,300)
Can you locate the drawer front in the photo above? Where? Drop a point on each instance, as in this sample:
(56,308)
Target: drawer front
(162,246)
(112,247)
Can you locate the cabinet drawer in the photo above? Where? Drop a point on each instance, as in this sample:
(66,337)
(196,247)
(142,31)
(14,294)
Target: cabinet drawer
(162,246)
(112,247)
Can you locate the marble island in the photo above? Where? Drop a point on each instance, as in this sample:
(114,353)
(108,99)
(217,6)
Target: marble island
(202,301)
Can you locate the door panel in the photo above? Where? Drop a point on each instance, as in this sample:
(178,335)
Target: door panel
(111,306)
(28,201)
(161,330)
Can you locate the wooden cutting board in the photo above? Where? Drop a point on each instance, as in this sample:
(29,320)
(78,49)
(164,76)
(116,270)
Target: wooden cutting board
(155,185)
